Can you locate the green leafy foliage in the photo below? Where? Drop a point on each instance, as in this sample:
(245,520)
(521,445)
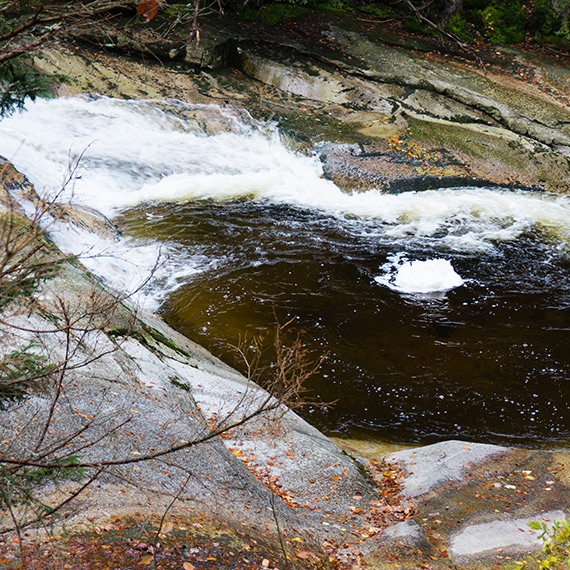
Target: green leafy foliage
(504,22)
(555,553)
(18,82)
(26,26)
(378,9)
(19,370)
(561,24)
(273,13)
(512,21)
(64,469)
(461,27)
(494,21)
(18,485)
(544,21)
(501,22)
(562,10)
(26,256)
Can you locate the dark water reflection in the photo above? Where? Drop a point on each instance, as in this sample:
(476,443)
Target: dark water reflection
(488,361)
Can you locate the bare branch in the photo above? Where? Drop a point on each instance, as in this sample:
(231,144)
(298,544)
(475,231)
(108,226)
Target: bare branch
(267,405)
(465,47)
(22,28)
(29,46)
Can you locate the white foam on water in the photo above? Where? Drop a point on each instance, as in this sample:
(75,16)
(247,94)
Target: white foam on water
(429,276)
(136,152)
(131,152)
(127,265)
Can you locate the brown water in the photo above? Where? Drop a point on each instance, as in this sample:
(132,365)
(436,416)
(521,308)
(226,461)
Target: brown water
(488,361)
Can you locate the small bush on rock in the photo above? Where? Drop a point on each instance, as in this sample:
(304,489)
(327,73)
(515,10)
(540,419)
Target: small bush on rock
(555,551)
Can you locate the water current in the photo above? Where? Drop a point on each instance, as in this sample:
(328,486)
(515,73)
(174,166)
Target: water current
(443,313)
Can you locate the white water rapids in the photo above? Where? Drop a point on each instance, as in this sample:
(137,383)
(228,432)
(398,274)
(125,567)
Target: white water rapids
(133,152)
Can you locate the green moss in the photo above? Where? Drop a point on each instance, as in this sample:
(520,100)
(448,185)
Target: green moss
(377,10)
(159,337)
(362,469)
(274,13)
(123,332)
(182,385)
(414,26)
(141,337)
(355,106)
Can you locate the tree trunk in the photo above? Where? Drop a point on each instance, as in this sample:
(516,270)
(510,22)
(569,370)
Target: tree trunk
(451,6)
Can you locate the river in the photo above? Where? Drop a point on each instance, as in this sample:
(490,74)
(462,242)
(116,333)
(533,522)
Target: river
(442,314)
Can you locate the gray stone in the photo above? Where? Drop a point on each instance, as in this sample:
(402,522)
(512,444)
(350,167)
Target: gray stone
(409,532)
(211,52)
(433,465)
(478,538)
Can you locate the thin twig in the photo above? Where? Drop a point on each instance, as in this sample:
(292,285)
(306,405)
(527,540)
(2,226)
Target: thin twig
(278,528)
(445,33)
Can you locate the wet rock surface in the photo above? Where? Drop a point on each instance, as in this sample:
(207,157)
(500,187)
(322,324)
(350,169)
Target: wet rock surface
(422,118)
(472,504)
(428,467)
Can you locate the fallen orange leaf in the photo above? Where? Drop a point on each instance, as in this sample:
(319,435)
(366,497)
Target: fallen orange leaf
(304,554)
(148,9)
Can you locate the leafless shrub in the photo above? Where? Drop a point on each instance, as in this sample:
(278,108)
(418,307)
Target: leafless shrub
(50,342)
(289,368)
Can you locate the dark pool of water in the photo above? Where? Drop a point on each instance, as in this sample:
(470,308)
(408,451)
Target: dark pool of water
(488,361)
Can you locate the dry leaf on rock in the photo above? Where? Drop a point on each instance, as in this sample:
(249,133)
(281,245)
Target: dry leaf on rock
(148,9)
(305,554)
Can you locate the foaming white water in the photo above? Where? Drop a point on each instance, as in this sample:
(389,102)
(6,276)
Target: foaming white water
(134,152)
(430,276)
(125,146)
